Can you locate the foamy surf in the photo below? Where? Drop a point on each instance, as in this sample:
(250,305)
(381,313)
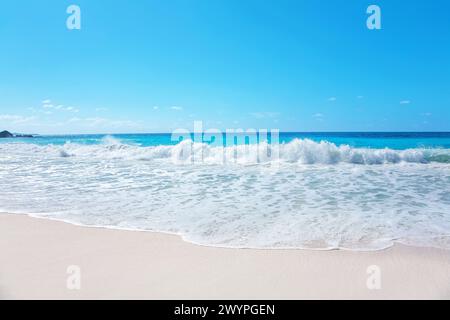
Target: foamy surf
(300,151)
(319,196)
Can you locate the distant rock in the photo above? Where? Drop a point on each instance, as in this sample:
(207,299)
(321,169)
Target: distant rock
(6,134)
(23,136)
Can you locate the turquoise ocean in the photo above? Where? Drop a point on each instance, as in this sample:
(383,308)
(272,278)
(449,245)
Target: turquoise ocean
(354,191)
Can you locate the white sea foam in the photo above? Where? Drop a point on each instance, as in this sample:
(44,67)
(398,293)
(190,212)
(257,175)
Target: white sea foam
(320,195)
(297,151)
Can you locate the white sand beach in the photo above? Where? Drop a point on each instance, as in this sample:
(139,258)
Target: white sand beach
(36,253)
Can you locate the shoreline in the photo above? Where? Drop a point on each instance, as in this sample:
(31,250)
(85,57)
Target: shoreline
(182,238)
(35,254)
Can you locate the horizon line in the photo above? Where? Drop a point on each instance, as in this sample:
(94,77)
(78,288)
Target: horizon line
(280,132)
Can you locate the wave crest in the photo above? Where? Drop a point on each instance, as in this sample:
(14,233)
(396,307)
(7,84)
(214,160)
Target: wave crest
(300,151)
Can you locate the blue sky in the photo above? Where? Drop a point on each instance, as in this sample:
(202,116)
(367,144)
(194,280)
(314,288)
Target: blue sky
(153,66)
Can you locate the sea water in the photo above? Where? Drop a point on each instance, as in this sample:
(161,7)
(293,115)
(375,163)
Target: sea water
(355,191)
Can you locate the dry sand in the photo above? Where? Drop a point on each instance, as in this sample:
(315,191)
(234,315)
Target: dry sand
(35,255)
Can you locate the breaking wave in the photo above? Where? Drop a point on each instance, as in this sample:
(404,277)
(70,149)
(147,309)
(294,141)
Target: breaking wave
(301,151)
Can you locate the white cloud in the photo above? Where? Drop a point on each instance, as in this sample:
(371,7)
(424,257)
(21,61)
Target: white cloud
(155,107)
(15,119)
(71,109)
(262,115)
(9,117)
(103,122)
(46,104)
(48,116)
(176,108)
(405,102)
(318,116)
